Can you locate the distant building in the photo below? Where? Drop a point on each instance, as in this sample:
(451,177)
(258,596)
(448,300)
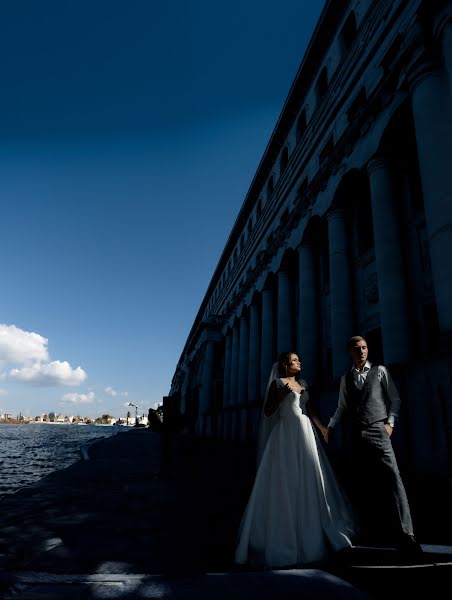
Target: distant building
(346,229)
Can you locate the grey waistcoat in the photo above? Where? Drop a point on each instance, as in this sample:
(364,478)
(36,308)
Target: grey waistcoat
(368,405)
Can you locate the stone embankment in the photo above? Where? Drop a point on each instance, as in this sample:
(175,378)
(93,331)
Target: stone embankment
(114,526)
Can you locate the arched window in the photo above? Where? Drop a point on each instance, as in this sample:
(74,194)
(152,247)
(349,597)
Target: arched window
(284,159)
(301,125)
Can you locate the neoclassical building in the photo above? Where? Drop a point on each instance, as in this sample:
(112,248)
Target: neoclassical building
(346,229)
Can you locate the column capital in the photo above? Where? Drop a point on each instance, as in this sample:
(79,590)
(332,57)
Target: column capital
(283,274)
(336,214)
(442,20)
(213,336)
(252,308)
(305,248)
(421,68)
(376,163)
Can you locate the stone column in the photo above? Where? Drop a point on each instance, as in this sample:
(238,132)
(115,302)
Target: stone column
(234,366)
(340,291)
(432,112)
(244,347)
(227,370)
(254,370)
(206,392)
(443,34)
(390,268)
(267,356)
(308,313)
(284,313)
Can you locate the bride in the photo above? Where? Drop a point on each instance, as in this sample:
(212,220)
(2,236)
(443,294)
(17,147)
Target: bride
(297,513)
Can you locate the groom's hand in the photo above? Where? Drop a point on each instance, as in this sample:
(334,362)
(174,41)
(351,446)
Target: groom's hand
(389,429)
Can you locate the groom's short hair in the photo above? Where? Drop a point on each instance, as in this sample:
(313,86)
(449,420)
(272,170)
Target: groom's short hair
(354,340)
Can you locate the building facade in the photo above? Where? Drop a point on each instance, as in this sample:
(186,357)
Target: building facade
(346,229)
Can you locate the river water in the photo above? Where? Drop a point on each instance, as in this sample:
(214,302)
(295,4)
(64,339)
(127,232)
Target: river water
(29,452)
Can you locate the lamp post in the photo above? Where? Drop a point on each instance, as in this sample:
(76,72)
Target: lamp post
(136,412)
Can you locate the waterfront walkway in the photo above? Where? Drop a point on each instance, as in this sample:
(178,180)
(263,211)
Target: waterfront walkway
(113,527)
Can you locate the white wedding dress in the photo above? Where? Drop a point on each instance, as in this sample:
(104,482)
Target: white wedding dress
(297,512)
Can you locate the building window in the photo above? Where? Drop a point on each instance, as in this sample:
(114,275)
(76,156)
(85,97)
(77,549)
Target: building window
(303,188)
(348,32)
(326,150)
(431,326)
(301,125)
(259,208)
(375,342)
(392,53)
(321,87)
(284,159)
(358,105)
(364,225)
(270,188)
(284,217)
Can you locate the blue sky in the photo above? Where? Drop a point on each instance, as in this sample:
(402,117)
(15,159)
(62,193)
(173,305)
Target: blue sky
(129,134)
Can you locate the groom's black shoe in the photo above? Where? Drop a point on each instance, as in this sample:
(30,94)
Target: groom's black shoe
(410,546)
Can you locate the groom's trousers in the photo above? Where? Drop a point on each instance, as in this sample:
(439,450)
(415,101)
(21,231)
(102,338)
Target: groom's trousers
(378,464)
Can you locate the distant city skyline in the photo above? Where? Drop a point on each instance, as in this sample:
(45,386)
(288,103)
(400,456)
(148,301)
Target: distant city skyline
(130,133)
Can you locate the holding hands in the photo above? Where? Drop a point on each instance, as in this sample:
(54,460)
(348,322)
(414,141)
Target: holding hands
(327,434)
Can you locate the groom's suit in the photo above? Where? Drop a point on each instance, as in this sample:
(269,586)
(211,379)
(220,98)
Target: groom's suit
(370,399)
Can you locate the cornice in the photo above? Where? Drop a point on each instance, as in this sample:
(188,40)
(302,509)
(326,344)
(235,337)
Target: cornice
(394,81)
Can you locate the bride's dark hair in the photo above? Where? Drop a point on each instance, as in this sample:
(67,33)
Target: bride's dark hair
(283,362)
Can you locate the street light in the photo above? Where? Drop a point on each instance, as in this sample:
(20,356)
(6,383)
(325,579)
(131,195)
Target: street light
(136,411)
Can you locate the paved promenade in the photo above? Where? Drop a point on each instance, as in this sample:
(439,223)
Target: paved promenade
(112,527)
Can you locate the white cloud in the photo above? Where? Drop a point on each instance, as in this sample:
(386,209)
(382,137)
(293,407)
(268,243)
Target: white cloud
(3,392)
(49,374)
(19,346)
(27,353)
(111,392)
(74,398)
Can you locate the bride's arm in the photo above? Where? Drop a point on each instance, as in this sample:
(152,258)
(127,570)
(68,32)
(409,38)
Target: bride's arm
(312,414)
(316,420)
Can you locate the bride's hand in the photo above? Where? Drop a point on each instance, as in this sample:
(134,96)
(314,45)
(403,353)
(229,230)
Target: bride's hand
(292,386)
(283,391)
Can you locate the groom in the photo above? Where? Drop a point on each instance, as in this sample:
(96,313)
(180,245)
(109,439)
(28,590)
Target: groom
(369,397)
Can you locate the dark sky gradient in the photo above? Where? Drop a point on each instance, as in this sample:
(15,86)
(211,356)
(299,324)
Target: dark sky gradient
(129,134)
(79,68)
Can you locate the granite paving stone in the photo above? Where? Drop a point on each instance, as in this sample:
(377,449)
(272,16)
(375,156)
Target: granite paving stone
(113,526)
